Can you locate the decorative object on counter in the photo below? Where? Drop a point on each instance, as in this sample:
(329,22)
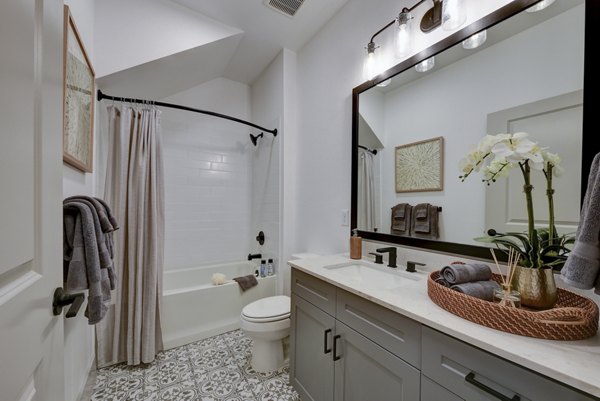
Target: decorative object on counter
(573,317)
(582,268)
(355,245)
(246,282)
(401,219)
(425,221)
(539,249)
(218,279)
(506,296)
(419,166)
(457,273)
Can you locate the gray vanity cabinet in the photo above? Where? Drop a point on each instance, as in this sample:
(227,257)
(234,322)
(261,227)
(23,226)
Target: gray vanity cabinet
(333,361)
(431,391)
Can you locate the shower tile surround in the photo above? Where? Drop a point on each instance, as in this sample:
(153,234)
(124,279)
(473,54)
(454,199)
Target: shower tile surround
(213,369)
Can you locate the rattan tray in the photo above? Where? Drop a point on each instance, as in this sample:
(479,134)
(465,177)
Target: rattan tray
(573,317)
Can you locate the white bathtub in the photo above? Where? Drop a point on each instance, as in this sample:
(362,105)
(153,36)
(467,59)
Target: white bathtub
(193,308)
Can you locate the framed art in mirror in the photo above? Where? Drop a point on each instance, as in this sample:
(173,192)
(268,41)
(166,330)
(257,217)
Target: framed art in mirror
(78,99)
(419,166)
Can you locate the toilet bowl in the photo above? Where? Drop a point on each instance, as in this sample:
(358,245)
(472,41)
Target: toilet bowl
(267,322)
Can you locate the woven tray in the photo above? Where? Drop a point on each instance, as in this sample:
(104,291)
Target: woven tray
(573,317)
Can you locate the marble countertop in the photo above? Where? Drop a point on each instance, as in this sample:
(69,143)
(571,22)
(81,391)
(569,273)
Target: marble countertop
(575,363)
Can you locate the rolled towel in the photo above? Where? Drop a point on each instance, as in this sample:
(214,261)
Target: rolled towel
(218,279)
(464,273)
(440,280)
(246,282)
(478,289)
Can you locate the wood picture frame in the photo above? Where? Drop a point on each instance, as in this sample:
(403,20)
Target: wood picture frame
(420,166)
(79,88)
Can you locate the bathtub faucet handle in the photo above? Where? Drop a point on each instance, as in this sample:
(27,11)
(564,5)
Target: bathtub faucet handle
(254,256)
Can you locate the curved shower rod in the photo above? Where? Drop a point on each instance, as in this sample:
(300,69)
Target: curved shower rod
(101,96)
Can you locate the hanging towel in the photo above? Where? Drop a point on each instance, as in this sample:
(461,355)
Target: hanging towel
(401,219)
(582,267)
(246,282)
(425,221)
(83,261)
(105,216)
(478,289)
(466,272)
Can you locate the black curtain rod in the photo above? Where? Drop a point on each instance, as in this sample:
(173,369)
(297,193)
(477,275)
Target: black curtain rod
(374,151)
(186,108)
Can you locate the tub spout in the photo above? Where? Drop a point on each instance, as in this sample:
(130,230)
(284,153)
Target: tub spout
(254,256)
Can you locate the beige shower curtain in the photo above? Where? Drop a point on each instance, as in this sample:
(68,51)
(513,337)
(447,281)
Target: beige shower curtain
(134,189)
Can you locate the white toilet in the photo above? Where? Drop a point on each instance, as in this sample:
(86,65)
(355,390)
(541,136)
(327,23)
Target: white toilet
(267,322)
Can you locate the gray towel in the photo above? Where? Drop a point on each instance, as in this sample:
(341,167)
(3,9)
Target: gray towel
(83,270)
(246,282)
(440,280)
(462,273)
(401,219)
(107,220)
(103,251)
(425,221)
(478,289)
(582,268)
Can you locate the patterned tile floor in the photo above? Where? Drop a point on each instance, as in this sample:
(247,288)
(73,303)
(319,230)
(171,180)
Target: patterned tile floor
(214,369)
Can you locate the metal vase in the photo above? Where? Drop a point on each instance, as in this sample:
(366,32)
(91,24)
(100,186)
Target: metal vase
(536,286)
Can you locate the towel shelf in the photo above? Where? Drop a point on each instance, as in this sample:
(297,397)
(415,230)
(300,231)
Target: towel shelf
(62,299)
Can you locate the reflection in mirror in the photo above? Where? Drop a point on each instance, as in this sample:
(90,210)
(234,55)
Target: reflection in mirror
(526,76)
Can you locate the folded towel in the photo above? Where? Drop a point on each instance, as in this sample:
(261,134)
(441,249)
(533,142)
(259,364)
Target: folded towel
(421,210)
(582,267)
(401,218)
(478,289)
(246,282)
(425,221)
(468,272)
(440,280)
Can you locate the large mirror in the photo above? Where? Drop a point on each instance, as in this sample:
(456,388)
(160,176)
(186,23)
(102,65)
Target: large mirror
(411,129)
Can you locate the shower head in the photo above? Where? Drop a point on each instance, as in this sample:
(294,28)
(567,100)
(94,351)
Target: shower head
(254,138)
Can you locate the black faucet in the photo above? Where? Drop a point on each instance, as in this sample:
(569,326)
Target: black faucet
(254,256)
(378,257)
(411,266)
(392,258)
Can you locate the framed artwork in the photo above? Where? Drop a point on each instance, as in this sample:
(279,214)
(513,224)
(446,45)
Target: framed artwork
(78,99)
(420,166)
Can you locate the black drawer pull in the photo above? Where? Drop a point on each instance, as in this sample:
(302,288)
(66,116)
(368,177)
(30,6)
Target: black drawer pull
(325,335)
(470,378)
(335,356)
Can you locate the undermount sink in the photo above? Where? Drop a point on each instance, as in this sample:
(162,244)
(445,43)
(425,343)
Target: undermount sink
(371,275)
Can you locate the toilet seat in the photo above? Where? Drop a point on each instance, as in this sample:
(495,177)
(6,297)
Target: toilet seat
(270,309)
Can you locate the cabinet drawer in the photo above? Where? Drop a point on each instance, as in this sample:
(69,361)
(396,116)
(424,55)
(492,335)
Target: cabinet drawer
(397,334)
(431,391)
(476,375)
(315,291)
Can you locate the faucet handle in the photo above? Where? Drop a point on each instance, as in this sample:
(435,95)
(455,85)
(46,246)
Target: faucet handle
(378,257)
(411,266)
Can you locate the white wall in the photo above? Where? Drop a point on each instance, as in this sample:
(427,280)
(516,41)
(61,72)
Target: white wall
(329,66)
(146,30)
(78,335)
(464,93)
(208,180)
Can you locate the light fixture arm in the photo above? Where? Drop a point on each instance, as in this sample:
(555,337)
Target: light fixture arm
(404,11)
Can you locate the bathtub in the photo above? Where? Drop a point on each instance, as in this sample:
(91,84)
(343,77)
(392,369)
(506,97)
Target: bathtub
(193,308)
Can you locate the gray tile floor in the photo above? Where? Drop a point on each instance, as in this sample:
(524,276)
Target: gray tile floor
(214,369)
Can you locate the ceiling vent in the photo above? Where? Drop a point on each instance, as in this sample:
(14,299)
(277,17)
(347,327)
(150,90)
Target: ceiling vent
(287,7)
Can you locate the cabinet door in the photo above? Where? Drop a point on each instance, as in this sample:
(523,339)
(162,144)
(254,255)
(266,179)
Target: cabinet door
(365,371)
(311,342)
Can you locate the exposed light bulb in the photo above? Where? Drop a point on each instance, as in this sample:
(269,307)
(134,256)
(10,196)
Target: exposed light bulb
(539,6)
(402,42)
(370,67)
(425,65)
(475,40)
(454,14)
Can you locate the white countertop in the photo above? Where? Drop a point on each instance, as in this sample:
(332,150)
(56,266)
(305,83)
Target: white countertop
(575,363)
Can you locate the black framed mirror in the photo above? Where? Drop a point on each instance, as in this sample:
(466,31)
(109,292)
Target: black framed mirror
(404,92)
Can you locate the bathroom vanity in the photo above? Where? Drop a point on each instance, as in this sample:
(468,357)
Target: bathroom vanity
(360,332)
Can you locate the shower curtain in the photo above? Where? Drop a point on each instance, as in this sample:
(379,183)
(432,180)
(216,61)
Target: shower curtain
(367,218)
(134,189)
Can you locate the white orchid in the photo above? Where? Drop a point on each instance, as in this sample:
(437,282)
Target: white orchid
(554,160)
(518,148)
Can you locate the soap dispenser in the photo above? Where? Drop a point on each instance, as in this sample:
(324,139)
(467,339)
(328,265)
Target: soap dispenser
(355,245)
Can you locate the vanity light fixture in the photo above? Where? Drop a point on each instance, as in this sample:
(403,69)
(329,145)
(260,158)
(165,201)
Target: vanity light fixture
(450,14)
(539,6)
(475,40)
(385,83)
(426,64)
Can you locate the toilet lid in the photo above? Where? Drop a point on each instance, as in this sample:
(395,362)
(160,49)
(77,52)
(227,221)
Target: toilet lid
(268,309)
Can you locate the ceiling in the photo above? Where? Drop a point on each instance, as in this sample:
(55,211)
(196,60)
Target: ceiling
(265,31)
